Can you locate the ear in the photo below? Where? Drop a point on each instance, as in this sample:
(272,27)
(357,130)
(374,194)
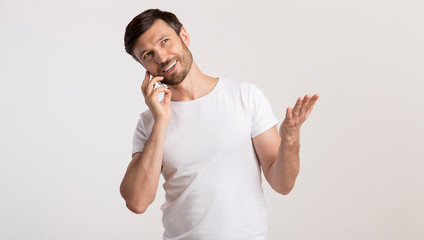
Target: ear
(184,36)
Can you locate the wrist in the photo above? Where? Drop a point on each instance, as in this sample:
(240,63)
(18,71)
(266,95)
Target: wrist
(290,137)
(161,125)
(161,120)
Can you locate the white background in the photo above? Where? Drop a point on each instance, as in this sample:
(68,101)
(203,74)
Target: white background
(70,99)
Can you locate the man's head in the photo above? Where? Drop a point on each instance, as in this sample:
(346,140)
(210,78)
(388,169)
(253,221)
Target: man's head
(159,42)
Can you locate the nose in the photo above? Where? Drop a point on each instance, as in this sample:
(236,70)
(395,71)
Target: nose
(161,56)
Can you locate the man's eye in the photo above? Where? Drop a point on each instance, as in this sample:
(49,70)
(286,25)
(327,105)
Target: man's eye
(165,41)
(146,55)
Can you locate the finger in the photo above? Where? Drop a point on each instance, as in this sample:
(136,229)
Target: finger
(167,97)
(159,90)
(314,99)
(312,103)
(144,83)
(289,113)
(305,103)
(298,105)
(151,84)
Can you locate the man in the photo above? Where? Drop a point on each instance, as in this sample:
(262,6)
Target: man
(209,137)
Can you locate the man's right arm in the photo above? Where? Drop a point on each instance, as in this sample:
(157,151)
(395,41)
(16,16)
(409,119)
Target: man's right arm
(141,180)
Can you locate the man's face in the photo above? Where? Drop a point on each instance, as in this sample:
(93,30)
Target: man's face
(164,53)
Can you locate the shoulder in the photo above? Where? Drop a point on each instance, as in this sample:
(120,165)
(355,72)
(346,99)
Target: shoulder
(236,85)
(146,114)
(145,119)
(245,91)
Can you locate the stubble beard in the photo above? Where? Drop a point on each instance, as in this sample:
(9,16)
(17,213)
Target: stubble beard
(186,62)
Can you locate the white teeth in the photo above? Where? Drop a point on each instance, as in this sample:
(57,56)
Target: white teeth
(166,70)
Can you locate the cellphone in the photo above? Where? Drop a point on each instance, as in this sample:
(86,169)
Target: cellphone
(161,95)
(158,83)
(162,85)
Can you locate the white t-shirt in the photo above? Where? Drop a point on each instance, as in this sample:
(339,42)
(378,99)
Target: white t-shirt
(211,171)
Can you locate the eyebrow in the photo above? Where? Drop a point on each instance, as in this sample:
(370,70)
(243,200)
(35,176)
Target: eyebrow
(159,40)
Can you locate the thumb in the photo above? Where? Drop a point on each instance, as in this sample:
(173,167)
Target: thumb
(167,96)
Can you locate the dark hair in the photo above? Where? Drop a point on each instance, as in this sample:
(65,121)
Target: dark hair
(142,22)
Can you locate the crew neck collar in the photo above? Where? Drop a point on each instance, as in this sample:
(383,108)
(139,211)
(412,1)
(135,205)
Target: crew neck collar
(218,83)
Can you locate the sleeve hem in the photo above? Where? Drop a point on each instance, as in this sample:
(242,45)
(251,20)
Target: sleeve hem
(137,150)
(264,127)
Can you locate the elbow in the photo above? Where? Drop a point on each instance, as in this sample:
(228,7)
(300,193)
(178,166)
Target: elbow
(137,209)
(284,189)
(136,205)
(285,192)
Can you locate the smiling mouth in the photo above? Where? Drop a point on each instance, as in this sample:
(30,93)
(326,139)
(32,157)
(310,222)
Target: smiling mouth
(170,67)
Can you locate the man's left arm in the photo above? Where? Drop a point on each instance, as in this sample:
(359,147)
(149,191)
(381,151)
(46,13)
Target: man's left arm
(278,153)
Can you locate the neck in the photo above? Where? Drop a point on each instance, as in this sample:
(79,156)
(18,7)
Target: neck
(195,85)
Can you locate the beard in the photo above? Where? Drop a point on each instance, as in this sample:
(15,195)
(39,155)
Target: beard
(186,60)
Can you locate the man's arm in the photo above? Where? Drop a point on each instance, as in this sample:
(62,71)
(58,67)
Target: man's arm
(279,153)
(141,180)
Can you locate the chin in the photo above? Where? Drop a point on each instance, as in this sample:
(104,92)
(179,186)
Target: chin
(172,82)
(179,78)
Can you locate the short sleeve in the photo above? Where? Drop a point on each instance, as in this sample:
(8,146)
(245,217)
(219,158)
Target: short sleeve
(139,137)
(263,117)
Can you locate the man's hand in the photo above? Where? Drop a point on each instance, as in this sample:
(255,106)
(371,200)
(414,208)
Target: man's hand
(279,153)
(141,180)
(161,110)
(295,117)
